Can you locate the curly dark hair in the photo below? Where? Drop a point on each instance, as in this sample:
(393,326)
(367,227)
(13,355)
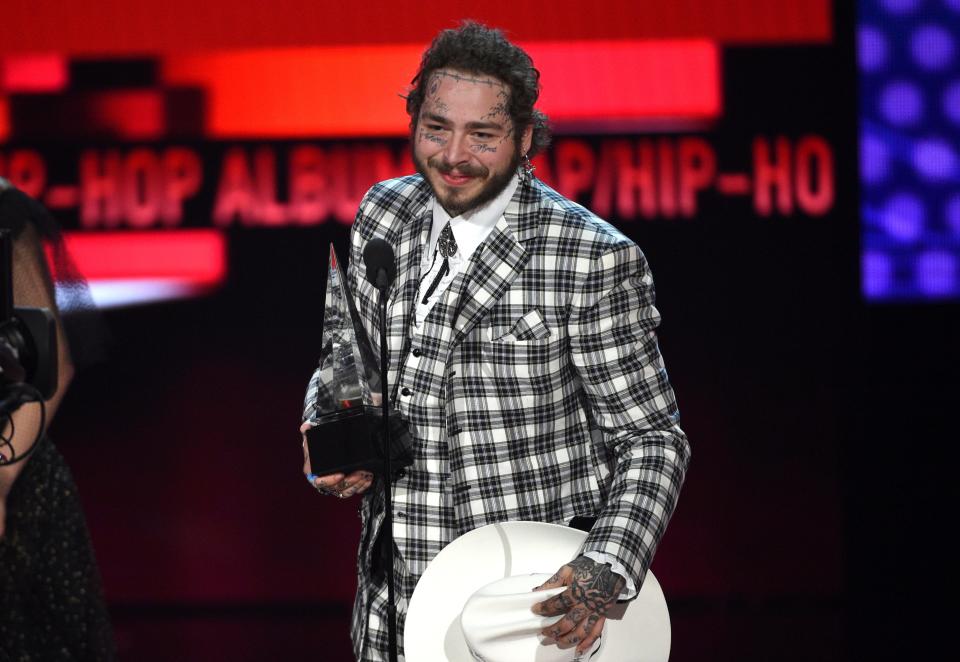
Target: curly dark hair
(474,48)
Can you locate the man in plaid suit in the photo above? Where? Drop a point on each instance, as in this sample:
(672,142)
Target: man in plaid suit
(523,354)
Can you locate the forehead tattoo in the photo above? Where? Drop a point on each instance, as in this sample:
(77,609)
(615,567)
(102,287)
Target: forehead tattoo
(437,77)
(499,109)
(497,113)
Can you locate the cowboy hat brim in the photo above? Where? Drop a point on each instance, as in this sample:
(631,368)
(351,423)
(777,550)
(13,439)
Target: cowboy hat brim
(637,631)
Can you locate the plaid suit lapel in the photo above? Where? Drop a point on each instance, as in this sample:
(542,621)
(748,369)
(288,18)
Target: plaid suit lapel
(414,235)
(499,260)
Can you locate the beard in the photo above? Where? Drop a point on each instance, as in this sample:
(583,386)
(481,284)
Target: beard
(455,202)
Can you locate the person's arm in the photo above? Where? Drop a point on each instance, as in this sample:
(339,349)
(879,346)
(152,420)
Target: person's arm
(32,287)
(613,345)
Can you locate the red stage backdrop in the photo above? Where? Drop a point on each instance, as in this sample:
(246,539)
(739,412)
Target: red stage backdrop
(202,156)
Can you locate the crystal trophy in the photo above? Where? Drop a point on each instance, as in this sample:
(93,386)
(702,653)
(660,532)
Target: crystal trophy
(344,397)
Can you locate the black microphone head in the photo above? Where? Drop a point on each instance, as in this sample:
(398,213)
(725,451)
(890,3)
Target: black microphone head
(381,264)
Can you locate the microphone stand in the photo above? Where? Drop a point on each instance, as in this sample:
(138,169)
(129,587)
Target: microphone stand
(382,285)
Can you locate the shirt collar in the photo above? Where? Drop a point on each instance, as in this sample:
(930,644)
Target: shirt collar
(472,227)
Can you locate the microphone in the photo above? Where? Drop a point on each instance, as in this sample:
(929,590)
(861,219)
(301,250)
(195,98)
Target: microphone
(381,271)
(381,264)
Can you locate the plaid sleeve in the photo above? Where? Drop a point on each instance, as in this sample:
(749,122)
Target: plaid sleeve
(614,348)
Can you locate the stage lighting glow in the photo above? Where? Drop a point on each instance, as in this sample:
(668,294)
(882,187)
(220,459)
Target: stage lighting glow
(877,274)
(901,103)
(874,159)
(932,47)
(937,273)
(951,214)
(934,160)
(129,268)
(676,79)
(121,293)
(900,6)
(903,217)
(33,73)
(910,156)
(951,101)
(4,118)
(872,48)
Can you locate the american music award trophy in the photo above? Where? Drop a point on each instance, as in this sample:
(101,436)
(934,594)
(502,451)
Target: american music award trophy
(344,397)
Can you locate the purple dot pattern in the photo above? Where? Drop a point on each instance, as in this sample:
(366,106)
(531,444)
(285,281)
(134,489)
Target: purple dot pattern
(951,102)
(935,160)
(908,55)
(903,218)
(877,274)
(951,214)
(901,103)
(872,48)
(874,158)
(936,273)
(932,47)
(897,7)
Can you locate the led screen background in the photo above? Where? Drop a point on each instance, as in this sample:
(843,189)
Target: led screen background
(202,167)
(909,61)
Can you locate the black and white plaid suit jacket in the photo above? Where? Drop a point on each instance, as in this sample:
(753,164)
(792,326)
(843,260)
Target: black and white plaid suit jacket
(535,391)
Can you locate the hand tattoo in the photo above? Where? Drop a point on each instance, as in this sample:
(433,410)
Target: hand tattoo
(594,585)
(591,589)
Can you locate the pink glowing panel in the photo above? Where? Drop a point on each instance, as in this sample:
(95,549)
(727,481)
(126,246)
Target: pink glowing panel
(33,73)
(125,268)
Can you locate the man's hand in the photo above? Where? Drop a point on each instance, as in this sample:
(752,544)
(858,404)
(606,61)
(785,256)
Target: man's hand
(593,588)
(339,485)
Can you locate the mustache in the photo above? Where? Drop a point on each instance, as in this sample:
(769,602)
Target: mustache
(463,169)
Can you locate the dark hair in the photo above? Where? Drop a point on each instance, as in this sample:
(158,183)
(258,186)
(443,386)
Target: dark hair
(477,49)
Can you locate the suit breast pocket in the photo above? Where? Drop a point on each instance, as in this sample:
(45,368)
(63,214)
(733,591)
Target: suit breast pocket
(531,326)
(528,359)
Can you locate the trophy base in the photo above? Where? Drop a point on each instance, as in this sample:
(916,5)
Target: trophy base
(352,439)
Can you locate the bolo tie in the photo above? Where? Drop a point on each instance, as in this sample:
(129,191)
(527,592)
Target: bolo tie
(447,247)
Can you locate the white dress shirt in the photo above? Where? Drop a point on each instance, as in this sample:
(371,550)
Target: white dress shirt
(469,230)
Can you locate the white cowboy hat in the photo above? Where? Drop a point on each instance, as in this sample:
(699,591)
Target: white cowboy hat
(474,568)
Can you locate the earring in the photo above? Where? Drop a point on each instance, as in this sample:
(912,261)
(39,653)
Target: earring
(528,167)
